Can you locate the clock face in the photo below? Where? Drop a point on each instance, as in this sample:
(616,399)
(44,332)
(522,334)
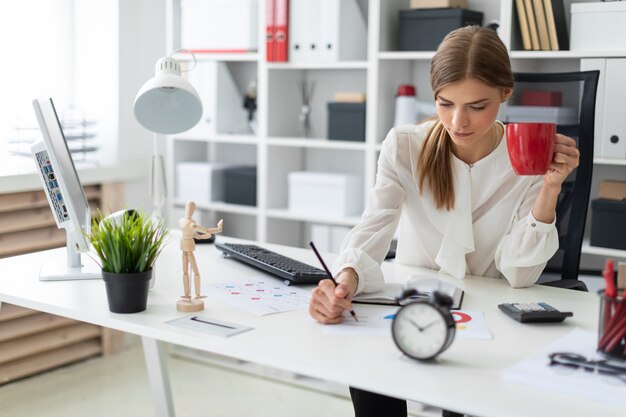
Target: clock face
(422,330)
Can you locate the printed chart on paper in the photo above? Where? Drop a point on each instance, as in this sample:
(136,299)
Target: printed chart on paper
(260,295)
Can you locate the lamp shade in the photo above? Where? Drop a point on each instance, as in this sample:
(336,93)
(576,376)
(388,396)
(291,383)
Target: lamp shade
(167,103)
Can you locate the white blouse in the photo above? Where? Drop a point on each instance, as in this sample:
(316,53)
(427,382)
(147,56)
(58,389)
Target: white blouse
(490,232)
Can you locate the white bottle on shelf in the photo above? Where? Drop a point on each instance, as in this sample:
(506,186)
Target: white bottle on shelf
(405,105)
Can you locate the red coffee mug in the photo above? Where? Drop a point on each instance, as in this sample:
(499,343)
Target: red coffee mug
(530,146)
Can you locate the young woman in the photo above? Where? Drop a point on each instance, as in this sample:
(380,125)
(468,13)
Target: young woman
(447,185)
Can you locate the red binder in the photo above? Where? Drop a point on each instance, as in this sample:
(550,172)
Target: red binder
(281,30)
(269,34)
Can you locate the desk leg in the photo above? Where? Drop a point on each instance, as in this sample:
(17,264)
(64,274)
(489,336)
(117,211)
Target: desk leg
(155,355)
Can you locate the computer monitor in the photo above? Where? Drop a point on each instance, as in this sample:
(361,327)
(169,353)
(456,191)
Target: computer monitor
(67,200)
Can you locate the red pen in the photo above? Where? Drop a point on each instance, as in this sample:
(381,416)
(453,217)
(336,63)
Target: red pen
(610,292)
(609,279)
(614,318)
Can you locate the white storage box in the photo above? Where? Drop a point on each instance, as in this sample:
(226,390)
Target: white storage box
(328,238)
(325,194)
(219,25)
(540,114)
(598,26)
(201,182)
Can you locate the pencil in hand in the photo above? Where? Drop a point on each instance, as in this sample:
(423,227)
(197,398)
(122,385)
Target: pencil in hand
(330,276)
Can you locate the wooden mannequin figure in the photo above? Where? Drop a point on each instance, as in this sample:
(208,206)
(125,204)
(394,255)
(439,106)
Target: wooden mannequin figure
(191,230)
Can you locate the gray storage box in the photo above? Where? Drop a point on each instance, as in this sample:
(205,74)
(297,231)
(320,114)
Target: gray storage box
(346,121)
(424,29)
(240,185)
(608,223)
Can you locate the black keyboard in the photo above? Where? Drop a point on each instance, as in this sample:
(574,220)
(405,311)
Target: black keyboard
(294,272)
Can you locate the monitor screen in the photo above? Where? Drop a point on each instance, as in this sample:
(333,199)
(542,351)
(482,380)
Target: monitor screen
(59,177)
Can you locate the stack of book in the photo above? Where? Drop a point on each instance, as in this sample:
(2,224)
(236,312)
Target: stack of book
(542,25)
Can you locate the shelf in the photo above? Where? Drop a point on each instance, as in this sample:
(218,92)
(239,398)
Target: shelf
(220,206)
(317,65)
(596,250)
(406,55)
(278,149)
(218,56)
(428,55)
(289,215)
(566,54)
(316,143)
(220,138)
(609,161)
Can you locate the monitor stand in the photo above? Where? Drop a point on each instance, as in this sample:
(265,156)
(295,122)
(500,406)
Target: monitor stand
(70,268)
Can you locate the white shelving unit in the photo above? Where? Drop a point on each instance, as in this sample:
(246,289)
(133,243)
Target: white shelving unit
(278,147)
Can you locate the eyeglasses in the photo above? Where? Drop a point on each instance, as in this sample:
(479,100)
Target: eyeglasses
(573,361)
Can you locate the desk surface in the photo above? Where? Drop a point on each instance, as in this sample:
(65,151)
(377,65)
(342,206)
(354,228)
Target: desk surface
(467,377)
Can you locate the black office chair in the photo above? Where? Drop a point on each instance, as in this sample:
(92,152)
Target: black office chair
(574,117)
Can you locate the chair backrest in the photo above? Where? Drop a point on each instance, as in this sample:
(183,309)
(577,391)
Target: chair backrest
(569,100)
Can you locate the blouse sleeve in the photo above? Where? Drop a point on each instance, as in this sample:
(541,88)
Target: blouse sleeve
(366,246)
(523,253)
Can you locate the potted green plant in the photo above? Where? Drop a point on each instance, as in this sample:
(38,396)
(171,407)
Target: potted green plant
(127,247)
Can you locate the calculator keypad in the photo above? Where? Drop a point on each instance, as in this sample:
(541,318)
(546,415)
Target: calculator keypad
(533,312)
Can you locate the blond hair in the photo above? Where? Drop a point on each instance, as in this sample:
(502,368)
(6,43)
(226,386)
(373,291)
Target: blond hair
(470,52)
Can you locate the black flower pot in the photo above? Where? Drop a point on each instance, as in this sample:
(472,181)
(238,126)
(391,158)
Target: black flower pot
(127,293)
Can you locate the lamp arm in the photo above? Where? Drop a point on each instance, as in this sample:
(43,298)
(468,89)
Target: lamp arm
(195,61)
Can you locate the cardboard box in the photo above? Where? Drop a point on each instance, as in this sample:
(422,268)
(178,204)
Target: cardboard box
(436,4)
(424,29)
(598,26)
(612,190)
(325,194)
(201,182)
(219,25)
(621,275)
(346,97)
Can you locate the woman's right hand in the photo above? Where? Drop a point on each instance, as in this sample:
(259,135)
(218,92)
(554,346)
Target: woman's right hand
(329,302)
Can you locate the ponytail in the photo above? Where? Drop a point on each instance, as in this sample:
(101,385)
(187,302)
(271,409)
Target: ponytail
(435,166)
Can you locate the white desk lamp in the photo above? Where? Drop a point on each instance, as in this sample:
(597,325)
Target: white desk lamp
(166,104)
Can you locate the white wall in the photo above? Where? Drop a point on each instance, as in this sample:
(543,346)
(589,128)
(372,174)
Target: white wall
(95,76)
(141,44)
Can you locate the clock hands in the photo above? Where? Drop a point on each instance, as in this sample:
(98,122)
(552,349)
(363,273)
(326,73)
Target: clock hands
(420,328)
(414,323)
(430,324)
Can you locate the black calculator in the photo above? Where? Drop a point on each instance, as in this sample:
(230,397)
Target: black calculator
(534,312)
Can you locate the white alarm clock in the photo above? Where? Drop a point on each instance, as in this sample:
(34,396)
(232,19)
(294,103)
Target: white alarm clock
(424,328)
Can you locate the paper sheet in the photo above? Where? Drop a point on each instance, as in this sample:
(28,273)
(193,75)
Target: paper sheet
(376,321)
(260,295)
(373,321)
(536,372)
(471,324)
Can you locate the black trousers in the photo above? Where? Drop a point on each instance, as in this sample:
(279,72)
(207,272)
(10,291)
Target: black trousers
(369,404)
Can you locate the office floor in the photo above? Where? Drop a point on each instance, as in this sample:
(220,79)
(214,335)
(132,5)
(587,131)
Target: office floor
(118,386)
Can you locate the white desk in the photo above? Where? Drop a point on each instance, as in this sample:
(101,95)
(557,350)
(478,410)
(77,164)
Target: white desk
(467,377)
